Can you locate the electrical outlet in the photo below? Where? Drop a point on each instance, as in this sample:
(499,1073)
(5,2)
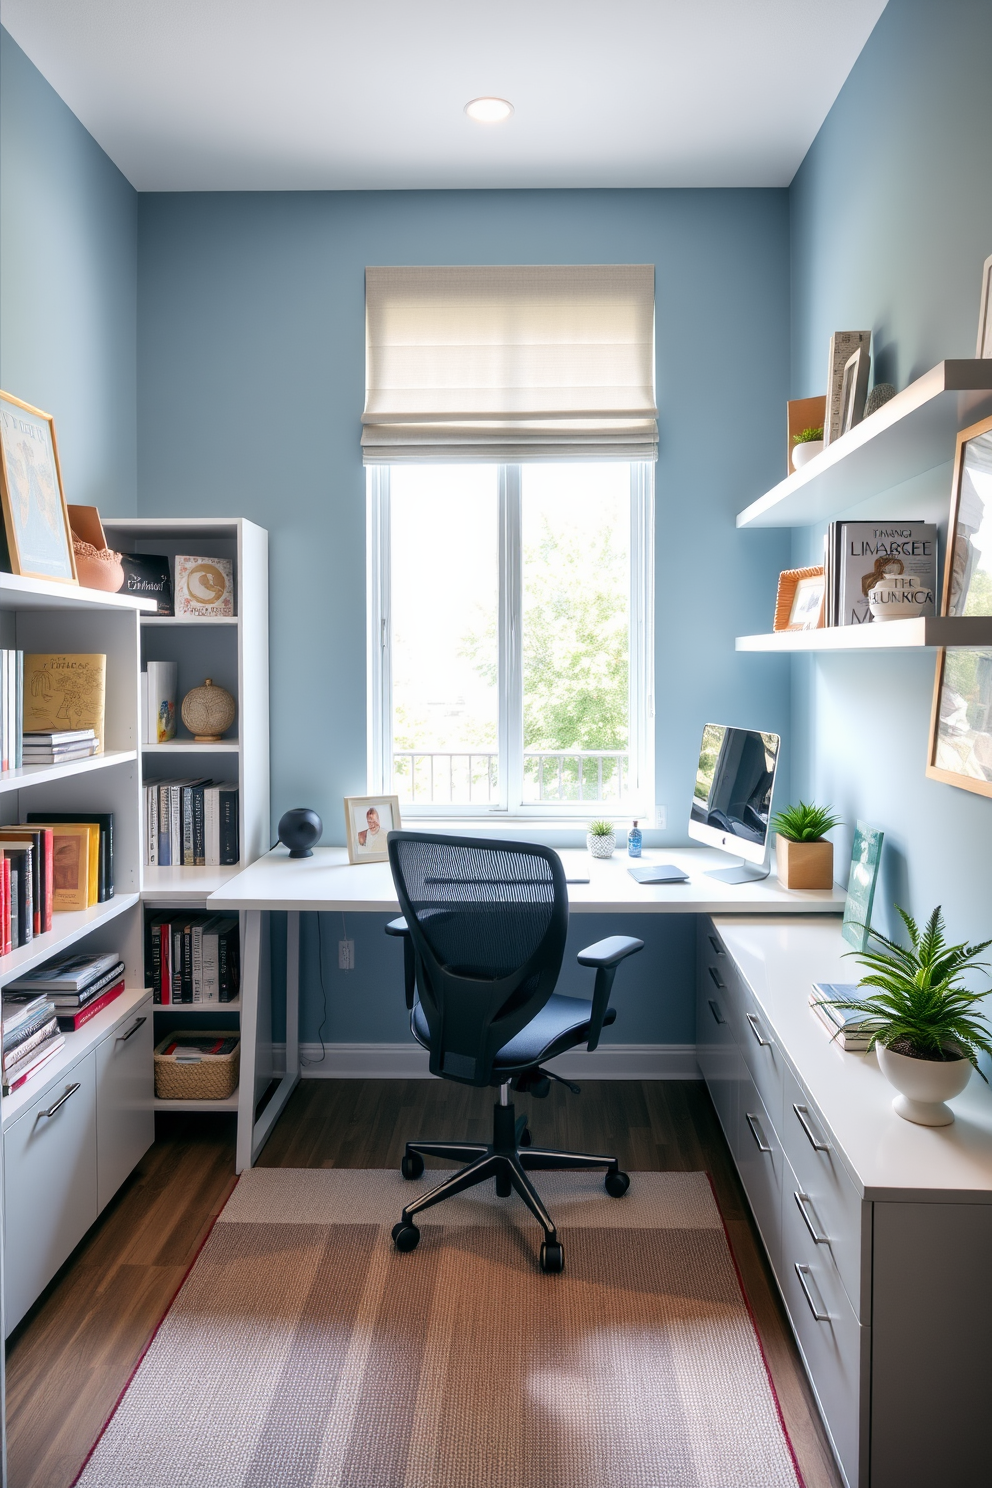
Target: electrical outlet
(660,816)
(346,955)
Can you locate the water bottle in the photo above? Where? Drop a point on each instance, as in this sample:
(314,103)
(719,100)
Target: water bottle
(634,841)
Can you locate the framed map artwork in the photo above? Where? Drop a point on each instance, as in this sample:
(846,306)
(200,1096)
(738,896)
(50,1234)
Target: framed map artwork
(39,541)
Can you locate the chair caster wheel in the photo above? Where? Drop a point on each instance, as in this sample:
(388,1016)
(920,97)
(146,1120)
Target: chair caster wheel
(525,1138)
(617,1184)
(405,1236)
(552,1257)
(412,1165)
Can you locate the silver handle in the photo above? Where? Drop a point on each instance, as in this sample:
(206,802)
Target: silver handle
(765,1043)
(716,977)
(716,945)
(70,1090)
(715,1010)
(122,1038)
(756,1132)
(802,1200)
(803,1114)
(803,1272)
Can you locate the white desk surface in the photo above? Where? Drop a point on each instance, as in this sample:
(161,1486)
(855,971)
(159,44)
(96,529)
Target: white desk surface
(887,1157)
(327,881)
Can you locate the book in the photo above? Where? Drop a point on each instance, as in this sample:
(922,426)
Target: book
(850,1029)
(204,586)
(21,857)
(65,690)
(70,1022)
(211,826)
(151,826)
(14,1054)
(76,863)
(61,736)
(869,550)
(147,575)
(176,960)
(162,685)
(153,956)
(61,756)
(866,856)
(68,1001)
(41,840)
(42,1057)
(15,1037)
(20,1007)
(143,708)
(69,973)
(228,828)
(104,820)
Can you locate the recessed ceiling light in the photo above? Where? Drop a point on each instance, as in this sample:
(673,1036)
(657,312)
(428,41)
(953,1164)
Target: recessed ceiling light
(489,110)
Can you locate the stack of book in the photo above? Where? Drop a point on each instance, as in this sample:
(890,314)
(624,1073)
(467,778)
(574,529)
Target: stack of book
(191,823)
(11,708)
(850,1030)
(857,554)
(31,1037)
(59,747)
(193,958)
(76,986)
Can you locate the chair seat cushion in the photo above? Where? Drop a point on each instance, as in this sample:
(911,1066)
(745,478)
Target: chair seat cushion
(562,1023)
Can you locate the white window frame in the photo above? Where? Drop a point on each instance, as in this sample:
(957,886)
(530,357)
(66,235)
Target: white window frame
(639,800)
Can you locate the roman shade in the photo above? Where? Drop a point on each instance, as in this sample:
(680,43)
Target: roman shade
(532,362)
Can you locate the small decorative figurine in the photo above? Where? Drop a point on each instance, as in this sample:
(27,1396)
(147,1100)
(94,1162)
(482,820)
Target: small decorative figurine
(208,711)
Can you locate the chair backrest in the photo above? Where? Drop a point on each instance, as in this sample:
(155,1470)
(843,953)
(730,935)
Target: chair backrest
(488,921)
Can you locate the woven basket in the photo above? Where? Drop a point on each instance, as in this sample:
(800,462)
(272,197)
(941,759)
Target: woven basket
(213,1077)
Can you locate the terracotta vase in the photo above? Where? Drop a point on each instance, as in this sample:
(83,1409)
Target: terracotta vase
(98,568)
(804,865)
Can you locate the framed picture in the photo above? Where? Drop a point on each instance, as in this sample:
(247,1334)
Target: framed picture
(984,348)
(866,854)
(843,345)
(799,603)
(854,389)
(961,719)
(34,513)
(369,820)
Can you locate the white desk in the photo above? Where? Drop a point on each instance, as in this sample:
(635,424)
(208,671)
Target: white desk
(326,881)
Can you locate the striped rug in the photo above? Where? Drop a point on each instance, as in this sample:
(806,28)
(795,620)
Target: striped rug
(304,1352)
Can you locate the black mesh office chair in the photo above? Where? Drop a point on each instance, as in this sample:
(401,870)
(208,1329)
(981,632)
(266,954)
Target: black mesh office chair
(484,927)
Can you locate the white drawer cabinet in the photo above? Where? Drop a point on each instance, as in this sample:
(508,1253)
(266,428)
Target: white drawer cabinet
(716,1047)
(879,1232)
(50,1184)
(125,1118)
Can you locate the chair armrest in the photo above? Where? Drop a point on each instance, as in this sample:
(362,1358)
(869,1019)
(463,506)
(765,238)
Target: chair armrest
(401,928)
(606,956)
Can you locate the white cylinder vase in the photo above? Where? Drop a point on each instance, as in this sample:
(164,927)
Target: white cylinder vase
(924,1085)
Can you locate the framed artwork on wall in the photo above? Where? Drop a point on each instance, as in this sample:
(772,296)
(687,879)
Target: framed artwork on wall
(961,720)
(34,512)
(984,348)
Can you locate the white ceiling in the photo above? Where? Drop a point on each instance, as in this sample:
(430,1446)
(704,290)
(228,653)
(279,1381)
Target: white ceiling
(319,94)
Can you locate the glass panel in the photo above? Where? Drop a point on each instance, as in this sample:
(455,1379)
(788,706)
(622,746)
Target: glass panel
(576,632)
(444,553)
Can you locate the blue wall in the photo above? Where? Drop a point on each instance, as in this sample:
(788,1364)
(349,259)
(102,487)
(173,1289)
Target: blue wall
(891,223)
(68,287)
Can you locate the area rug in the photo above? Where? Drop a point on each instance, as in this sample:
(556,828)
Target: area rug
(303,1351)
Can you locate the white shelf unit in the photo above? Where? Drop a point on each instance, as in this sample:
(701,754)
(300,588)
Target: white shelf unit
(924,632)
(910,434)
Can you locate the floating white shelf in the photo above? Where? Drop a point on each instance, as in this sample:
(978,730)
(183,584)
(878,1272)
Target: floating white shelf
(911,433)
(157,620)
(180,886)
(191,746)
(891,635)
(26,775)
(17,593)
(67,928)
(230,1104)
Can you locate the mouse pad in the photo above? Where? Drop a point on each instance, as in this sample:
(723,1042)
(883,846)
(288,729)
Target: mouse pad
(657,873)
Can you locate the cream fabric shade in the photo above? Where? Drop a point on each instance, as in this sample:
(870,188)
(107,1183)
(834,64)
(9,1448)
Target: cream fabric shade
(510,363)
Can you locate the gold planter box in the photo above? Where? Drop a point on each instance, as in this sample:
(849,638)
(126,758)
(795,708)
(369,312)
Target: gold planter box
(804,865)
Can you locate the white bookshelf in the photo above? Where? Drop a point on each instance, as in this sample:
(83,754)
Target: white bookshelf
(920,633)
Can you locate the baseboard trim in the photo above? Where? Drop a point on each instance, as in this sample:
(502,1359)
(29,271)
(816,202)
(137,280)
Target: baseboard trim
(408,1061)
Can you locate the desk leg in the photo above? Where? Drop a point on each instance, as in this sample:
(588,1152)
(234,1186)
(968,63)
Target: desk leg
(256,1035)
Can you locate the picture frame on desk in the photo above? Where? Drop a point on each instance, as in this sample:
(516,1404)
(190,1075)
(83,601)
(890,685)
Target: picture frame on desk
(35,517)
(369,820)
(799,602)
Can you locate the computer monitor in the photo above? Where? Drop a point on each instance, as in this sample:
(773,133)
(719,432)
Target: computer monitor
(732,799)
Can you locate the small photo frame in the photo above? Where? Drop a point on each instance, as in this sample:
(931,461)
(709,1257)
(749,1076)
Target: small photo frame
(854,389)
(369,820)
(35,518)
(799,604)
(984,348)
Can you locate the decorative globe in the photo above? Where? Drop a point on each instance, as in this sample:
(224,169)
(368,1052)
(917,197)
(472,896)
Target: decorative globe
(299,829)
(208,711)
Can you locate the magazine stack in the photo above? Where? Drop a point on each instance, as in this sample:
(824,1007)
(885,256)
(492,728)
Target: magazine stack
(31,1037)
(78,986)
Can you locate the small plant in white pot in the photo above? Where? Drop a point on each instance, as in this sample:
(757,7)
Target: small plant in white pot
(806,445)
(803,858)
(923,1022)
(601,839)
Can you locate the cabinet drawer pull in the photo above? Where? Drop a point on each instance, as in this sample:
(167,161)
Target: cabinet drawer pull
(718,948)
(122,1038)
(808,1214)
(716,977)
(715,1010)
(803,1272)
(802,1112)
(69,1090)
(752,1122)
(765,1043)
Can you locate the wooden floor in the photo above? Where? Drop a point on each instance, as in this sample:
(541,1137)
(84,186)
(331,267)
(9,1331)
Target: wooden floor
(73,1354)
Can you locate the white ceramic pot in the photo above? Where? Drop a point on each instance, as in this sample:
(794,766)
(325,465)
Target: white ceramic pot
(899,597)
(803,453)
(601,847)
(925,1084)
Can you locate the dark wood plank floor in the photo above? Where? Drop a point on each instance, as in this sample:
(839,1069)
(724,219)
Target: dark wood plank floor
(69,1360)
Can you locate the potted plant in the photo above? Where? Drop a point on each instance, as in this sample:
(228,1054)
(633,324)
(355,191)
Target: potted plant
(601,839)
(805,445)
(923,1022)
(804,859)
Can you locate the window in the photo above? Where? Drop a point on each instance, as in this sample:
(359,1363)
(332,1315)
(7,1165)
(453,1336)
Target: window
(511,637)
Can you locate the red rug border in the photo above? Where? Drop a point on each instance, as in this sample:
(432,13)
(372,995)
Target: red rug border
(153,1335)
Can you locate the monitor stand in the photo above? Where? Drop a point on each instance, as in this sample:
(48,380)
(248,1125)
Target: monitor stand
(743,873)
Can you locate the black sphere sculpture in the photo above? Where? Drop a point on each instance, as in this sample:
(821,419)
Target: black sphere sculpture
(299,829)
